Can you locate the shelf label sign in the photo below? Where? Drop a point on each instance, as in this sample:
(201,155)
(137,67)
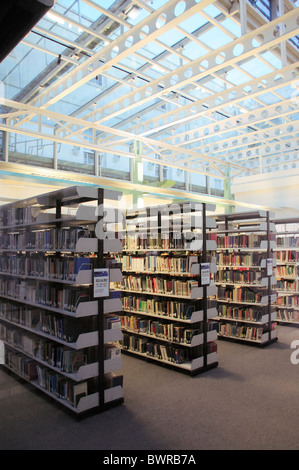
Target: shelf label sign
(205,274)
(101,282)
(269,266)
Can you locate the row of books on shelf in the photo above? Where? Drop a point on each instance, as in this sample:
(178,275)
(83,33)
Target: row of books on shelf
(287,285)
(251,240)
(23,365)
(163,330)
(287,241)
(166,352)
(44,294)
(56,384)
(63,238)
(63,327)
(60,386)
(239,259)
(154,284)
(18,215)
(173,264)
(251,333)
(240,294)
(287,300)
(173,216)
(164,241)
(169,308)
(286,315)
(72,392)
(62,268)
(287,271)
(249,314)
(287,256)
(59,356)
(244,276)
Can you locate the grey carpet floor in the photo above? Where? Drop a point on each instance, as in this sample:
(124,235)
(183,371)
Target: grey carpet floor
(249,402)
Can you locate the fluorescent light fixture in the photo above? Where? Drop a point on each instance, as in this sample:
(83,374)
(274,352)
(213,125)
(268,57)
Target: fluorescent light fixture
(133,13)
(158,68)
(53,17)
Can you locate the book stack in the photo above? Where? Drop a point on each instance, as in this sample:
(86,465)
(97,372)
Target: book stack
(245,277)
(165,298)
(287,270)
(53,327)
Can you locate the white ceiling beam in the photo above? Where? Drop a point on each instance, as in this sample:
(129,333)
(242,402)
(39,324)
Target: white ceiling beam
(80,26)
(250,120)
(107,13)
(47,33)
(265,150)
(79,122)
(218,164)
(215,102)
(90,68)
(197,67)
(49,52)
(108,58)
(249,137)
(276,132)
(90,146)
(239,92)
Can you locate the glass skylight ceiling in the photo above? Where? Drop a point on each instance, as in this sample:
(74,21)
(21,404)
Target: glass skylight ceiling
(180,81)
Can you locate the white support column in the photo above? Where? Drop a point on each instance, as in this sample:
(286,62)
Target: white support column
(243,17)
(283,45)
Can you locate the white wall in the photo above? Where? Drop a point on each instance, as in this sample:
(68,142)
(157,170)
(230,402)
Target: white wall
(278,190)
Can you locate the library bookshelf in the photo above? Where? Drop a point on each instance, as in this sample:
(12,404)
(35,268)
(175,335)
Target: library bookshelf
(168,297)
(287,270)
(58,332)
(246,278)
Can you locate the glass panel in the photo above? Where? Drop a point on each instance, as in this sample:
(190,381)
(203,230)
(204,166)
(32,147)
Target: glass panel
(216,187)
(263,6)
(151,172)
(176,176)
(30,150)
(75,159)
(256,68)
(198,183)
(114,166)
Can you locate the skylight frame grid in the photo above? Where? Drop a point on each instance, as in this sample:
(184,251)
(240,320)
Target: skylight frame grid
(162,136)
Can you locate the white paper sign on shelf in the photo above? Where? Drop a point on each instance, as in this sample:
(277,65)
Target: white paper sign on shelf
(205,274)
(101,282)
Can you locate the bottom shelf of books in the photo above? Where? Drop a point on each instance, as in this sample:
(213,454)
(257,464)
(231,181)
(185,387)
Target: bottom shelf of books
(287,307)
(171,355)
(79,395)
(187,344)
(251,321)
(255,329)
